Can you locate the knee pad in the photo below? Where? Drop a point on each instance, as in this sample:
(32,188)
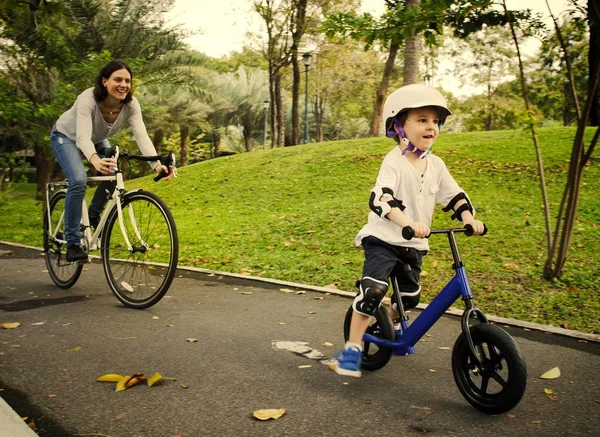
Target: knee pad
(370,295)
(409,299)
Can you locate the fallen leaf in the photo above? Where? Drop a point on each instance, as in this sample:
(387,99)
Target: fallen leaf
(536,422)
(286,290)
(548,391)
(37,324)
(551,374)
(305,366)
(110,377)
(51,396)
(75,349)
(281,323)
(444,348)
(184,386)
(156,317)
(327,344)
(11,325)
(271,413)
(154,379)
(432,370)
(312,312)
(300,292)
(511,416)
(121,416)
(170,326)
(246,292)
(121,384)
(191,340)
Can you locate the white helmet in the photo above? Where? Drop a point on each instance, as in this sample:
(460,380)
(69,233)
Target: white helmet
(413,96)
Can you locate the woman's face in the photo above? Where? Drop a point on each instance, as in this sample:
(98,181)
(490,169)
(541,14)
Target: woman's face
(118,84)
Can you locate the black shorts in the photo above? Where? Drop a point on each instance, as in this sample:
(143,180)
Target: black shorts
(384,261)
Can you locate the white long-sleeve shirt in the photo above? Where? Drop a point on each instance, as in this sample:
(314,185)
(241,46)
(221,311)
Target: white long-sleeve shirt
(418,192)
(84,124)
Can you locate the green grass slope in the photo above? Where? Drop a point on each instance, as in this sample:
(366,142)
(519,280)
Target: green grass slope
(292,214)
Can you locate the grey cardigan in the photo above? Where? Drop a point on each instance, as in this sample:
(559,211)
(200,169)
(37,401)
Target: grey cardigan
(84,124)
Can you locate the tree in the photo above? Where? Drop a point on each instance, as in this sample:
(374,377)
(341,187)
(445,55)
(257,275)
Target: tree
(401,21)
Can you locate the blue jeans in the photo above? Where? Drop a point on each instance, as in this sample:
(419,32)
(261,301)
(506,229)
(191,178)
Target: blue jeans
(69,158)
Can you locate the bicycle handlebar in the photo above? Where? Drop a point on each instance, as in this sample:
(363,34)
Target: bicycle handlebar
(408,233)
(167,160)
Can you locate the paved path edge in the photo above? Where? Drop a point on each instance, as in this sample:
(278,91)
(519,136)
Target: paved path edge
(452,312)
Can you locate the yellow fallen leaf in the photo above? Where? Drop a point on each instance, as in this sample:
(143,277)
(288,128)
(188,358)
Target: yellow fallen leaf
(184,386)
(191,340)
(121,384)
(432,370)
(286,290)
(157,377)
(551,374)
(548,391)
(110,377)
(327,344)
(444,348)
(246,292)
(11,325)
(75,349)
(312,312)
(269,414)
(305,366)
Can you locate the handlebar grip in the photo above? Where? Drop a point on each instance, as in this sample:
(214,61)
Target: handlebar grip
(159,176)
(408,233)
(469,230)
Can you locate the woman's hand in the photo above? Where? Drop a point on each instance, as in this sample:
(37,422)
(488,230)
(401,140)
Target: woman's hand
(169,171)
(103,165)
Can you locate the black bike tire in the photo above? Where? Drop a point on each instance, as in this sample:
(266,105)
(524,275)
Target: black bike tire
(112,221)
(509,351)
(377,360)
(68,283)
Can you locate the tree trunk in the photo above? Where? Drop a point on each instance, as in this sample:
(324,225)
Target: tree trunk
(247,139)
(376,123)
(44,164)
(594,57)
(412,53)
(159,136)
(184,133)
(280,112)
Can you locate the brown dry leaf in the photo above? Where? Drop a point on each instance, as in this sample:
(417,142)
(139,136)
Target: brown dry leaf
(121,416)
(154,379)
(271,413)
(551,374)
(11,325)
(191,340)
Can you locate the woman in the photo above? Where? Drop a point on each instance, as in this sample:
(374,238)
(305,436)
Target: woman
(98,113)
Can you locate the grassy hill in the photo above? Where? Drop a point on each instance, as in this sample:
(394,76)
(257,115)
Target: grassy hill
(293,213)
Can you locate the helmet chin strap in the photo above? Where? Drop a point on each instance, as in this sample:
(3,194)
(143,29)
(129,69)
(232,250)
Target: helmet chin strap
(408,146)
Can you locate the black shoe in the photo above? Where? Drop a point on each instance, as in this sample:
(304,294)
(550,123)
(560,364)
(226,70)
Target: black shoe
(76,253)
(94,222)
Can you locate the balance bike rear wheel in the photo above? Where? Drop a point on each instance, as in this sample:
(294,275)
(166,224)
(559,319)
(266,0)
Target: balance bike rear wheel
(500,383)
(374,357)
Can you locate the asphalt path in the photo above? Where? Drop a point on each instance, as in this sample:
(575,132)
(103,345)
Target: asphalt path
(67,338)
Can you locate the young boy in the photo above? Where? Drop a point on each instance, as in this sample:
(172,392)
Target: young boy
(410,181)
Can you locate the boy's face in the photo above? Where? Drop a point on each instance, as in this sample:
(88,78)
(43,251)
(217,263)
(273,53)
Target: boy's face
(422,127)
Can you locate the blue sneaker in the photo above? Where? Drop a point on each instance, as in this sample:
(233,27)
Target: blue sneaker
(348,362)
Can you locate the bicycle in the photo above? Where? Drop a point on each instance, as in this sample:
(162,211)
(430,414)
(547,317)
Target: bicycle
(136,236)
(487,365)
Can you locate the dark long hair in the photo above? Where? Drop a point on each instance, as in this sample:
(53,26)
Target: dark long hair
(100,91)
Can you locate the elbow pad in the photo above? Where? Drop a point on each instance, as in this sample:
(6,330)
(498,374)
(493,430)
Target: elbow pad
(381,207)
(464,207)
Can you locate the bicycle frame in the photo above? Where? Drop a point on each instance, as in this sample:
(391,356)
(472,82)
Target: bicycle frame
(456,287)
(114,200)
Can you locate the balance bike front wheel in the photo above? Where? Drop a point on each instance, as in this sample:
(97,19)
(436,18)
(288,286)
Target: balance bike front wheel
(499,383)
(374,357)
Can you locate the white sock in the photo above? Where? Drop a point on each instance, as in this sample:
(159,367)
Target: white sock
(353,345)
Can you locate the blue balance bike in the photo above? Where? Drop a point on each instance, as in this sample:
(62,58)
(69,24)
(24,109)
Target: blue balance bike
(487,365)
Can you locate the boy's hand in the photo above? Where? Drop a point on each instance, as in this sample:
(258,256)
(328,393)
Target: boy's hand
(423,231)
(477,225)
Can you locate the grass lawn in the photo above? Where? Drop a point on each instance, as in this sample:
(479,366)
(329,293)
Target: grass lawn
(292,214)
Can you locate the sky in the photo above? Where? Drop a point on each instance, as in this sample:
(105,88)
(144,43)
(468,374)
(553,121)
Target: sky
(220,26)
